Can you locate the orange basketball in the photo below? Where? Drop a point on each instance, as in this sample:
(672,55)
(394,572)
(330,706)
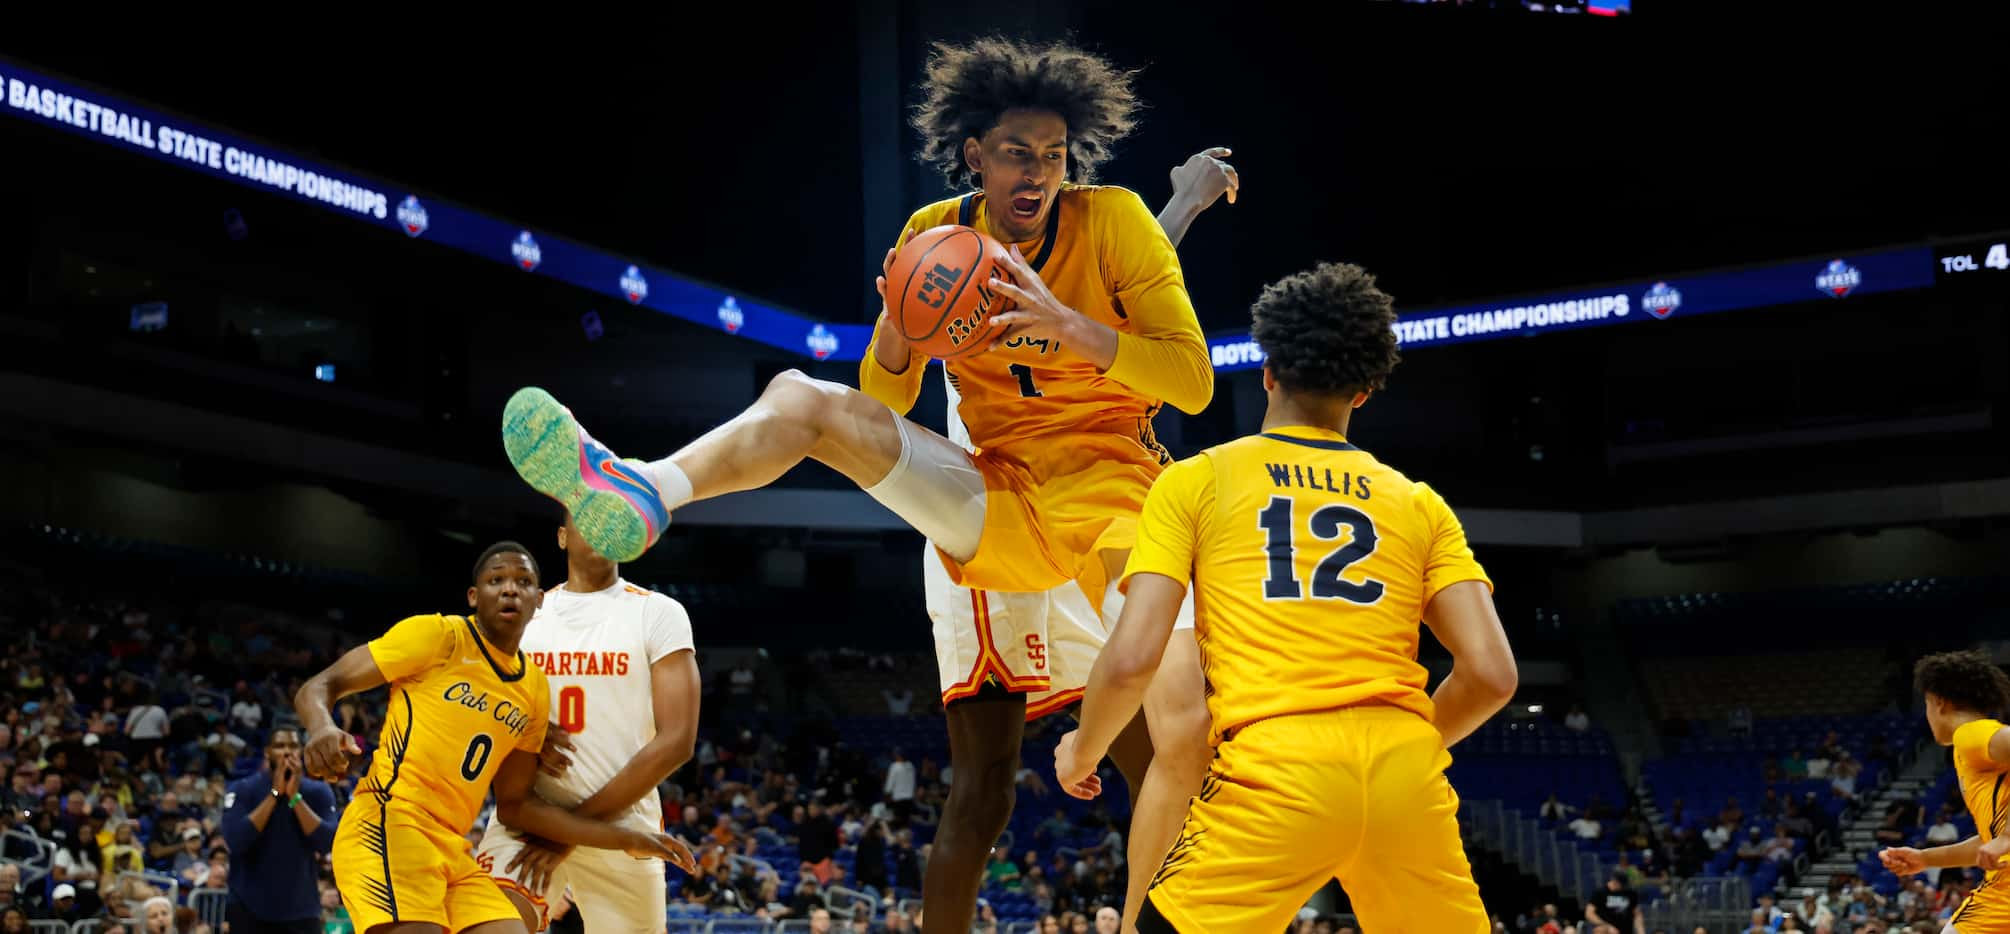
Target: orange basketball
(939,290)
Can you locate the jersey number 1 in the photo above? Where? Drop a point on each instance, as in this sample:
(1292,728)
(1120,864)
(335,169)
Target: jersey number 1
(1282,581)
(1025,374)
(572,709)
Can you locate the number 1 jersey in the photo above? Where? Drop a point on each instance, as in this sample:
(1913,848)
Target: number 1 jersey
(596,650)
(1311,564)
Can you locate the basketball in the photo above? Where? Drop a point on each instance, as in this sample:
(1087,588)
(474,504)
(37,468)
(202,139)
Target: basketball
(939,290)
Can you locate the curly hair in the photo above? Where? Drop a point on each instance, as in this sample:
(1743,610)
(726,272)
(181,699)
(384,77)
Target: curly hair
(1968,680)
(969,87)
(503,548)
(1327,330)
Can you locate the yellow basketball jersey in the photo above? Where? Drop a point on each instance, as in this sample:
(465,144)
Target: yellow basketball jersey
(456,712)
(1104,255)
(1982,779)
(1311,564)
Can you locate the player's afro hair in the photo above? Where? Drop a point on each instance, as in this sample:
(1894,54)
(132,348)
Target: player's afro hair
(503,548)
(1327,330)
(1968,680)
(969,87)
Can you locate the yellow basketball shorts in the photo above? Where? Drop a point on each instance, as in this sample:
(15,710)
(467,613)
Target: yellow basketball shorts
(1358,794)
(1985,911)
(394,862)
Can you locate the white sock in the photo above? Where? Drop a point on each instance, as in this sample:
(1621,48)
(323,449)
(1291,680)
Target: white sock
(671,484)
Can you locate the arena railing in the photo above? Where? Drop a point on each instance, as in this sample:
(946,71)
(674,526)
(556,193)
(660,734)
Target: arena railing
(211,905)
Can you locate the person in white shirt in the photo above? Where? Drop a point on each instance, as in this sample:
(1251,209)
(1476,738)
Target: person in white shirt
(1717,836)
(1577,720)
(899,787)
(147,729)
(624,691)
(898,704)
(246,714)
(1586,828)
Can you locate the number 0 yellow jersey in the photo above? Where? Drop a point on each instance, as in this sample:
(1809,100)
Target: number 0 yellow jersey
(1103,255)
(1311,564)
(456,712)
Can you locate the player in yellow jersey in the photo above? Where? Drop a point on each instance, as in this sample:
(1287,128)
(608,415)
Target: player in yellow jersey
(1964,691)
(1103,334)
(1311,564)
(466,708)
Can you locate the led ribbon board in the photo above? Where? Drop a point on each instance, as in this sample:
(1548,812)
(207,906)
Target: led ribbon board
(127,126)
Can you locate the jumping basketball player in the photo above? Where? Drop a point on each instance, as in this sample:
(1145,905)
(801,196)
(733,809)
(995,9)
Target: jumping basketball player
(1046,642)
(1102,335)
(625,685)
(1312,563)
(459,688)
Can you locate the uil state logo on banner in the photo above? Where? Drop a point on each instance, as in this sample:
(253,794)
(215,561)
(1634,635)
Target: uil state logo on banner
(1838,278)
(412,216)
(730,316)
(526,252)
(634,286)
(822,342)
(1661,300)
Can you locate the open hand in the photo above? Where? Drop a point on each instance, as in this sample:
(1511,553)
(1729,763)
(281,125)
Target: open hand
(661,845)
(535,863)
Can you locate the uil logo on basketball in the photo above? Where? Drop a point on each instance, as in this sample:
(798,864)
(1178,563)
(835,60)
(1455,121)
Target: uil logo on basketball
(634,286)
(936,284)
(730,316)
(412,216)
(1661,300)
(1036,651)
(822,342)
(1838,278)
(526,251)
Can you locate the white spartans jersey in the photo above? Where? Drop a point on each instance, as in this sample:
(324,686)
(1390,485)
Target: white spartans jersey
(596,649)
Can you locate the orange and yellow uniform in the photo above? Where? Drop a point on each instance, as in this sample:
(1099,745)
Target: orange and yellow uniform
(456,712)
(1066,450)
(1311,565)
(1987,909)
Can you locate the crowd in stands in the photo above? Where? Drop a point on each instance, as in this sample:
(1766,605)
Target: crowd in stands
(121,724)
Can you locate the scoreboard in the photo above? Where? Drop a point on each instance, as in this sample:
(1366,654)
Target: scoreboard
(1984,259)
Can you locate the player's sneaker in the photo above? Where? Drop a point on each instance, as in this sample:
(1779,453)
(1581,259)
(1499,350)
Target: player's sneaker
(613,504)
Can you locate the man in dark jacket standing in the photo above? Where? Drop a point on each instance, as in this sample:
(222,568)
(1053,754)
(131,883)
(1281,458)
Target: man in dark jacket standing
(278,824)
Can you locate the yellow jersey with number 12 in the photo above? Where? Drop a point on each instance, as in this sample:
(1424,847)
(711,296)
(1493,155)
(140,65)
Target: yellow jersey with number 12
(1311,563)
(457,709)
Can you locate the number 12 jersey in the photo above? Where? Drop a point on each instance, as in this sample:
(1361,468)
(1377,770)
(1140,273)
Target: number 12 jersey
(1311,564)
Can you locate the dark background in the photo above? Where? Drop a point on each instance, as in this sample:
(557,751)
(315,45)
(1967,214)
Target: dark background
(1459,153)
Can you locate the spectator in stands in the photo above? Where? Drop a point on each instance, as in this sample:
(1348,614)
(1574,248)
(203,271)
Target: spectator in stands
(1552,811)
(820,920)
(1769,806)
(13,921)
(817,841)
(246,715)
(146,733)
(1576,720)
(157,916)
(1107,920)
(1586,828)
(190,852)
(1001,871)
(64,905)
(1741,721)
(1752,851)
(123,855)
(871,858)
(1796,821)
(1780,848)
(1943,831)
(334,916)
(1690,852)
(1717,836)
(1818,766)
(899,785)
(1049,924)
(1733,812)
(1842,778)
(896,922)
(1617,906)
(899,705)
(280,823)
(11,893)
(1794,766)
(906,862)
(741,681)
(1889,831)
